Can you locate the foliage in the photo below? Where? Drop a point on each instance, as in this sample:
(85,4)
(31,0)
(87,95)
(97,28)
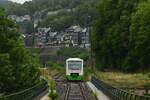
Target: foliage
(54,65)
(52,86)
(123,80)
(69,12)
(5,3)
(139,50)
(84,14)
(30,7)
(147,87)
(27,27)
(87,73)
(18,68)
(120,35)
(34,50)
(57,22)
(74,53)
(53,95)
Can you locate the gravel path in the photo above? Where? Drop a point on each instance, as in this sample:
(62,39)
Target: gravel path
(100,94)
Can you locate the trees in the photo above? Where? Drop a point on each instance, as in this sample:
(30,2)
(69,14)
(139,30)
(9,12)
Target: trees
(5,3)
(83,14)
(113,32)
(74,52)
(26,27)
(86,13)
(139,52)
(18,68)
(57,22)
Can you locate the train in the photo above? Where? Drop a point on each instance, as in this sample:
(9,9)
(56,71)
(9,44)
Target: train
(74,69)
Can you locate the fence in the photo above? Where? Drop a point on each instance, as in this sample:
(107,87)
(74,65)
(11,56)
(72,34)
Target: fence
(28,94)
(115,93)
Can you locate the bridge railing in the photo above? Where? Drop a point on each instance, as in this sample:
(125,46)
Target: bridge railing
(115,93)
(28,94)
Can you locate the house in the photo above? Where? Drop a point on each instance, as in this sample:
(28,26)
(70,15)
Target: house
(45,37)
(27,18)
(51,37)
(74,36)
(78,36)
(19,18)
(41,36)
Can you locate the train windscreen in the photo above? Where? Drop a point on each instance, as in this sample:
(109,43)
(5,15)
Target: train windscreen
(74,65)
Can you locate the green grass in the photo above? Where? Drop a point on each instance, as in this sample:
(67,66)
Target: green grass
(87,73)
(118,79)
(34,50)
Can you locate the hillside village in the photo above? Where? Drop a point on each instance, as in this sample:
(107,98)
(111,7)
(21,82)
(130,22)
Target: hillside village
(74,36)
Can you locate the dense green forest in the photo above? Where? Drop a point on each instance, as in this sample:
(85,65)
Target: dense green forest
(69,12)
(5,3)
(30,7)
(121,35)
(19,69)
(9,6)
(83,14)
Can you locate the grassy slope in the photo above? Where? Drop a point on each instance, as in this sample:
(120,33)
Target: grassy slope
(118,79)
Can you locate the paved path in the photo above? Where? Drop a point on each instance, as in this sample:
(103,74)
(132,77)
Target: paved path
(45,97)
(100,94)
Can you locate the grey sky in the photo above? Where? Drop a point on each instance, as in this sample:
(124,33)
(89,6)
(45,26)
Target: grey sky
(20,1)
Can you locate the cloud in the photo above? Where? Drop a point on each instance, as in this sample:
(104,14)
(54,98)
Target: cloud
(20,1)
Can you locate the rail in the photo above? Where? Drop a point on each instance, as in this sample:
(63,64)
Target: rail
(75,91)
(83,92)
(115,93)
(27,94)
(67,92)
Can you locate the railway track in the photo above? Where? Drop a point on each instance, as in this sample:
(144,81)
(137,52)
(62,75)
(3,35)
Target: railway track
(72,90)
(75,91)
(58,77)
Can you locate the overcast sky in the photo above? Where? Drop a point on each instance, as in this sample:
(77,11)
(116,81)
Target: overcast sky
(20,1)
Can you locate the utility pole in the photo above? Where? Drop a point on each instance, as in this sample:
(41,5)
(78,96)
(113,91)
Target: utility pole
(53,4)
(90,40)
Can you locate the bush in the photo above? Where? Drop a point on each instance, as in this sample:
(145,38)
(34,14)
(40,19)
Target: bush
(87,73)
(147,87)
(54,65)
(74,53)
(52,86)
(18,68)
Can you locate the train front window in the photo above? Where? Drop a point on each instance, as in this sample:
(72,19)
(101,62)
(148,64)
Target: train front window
(74,65)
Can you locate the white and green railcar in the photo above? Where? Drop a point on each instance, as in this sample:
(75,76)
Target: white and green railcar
(74,69)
